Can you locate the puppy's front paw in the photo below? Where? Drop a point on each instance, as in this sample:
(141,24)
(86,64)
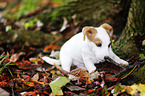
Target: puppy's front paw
(123,62)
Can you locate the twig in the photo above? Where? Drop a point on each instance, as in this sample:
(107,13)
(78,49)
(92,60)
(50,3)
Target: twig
(129,72)
(130,67)
(61,70)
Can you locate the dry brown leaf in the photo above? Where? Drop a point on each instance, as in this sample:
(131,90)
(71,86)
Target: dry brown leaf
(25,64)
(70,28)
(14,57)
(82,73)
(26,77)
(35,77)
(51,47)
(75,88)
(110,78)
(91,90)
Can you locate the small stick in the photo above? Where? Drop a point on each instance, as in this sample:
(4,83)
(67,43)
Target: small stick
(61,70)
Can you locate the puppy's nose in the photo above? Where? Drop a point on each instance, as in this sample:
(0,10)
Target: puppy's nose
(106,57)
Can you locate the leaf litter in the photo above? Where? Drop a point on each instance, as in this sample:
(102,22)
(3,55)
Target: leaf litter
(22,72)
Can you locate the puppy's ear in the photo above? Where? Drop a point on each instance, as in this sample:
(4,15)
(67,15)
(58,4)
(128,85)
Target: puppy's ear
(108,28)
(90,32)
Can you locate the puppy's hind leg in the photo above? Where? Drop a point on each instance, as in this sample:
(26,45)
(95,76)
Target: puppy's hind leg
(66,62)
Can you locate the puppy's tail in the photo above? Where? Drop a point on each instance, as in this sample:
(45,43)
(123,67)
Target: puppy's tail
(50,60)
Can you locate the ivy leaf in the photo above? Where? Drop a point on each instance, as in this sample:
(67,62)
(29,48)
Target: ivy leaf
(57,84)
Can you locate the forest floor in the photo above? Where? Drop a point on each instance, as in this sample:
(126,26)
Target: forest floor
(23,72)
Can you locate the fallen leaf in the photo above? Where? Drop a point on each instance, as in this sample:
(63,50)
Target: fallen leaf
(57,84)
(65,24)
(14,57)
(91,90)
(102,83)
(70,28)
(3,92)
(35,77)
(75,88)
(110,78)
(25,64)
(35,60)
(133,89)
(52,71)
(26,77)
(104,91)
(51,47)
(69,93)
(4,77)
(27,93)
(140,87)
(117,88)
(46,92)
(3,84)
(83,74)
(7,59)
(31,84)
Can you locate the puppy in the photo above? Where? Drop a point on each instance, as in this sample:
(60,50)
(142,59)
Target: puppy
(85,49)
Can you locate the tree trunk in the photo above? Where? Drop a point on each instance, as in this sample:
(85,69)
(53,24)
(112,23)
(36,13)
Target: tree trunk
(133,36)
(130,42)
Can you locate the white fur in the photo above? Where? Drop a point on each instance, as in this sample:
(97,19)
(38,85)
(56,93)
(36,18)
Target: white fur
(83,53)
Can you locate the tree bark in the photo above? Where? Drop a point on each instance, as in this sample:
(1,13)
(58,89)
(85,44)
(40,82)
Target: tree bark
(133,36)
(130,41)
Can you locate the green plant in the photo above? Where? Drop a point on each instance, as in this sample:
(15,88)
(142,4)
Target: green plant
(142,56)
(30,23)
(4,65)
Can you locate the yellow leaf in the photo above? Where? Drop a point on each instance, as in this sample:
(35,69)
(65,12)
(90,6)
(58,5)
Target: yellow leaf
(35,60)
(52,71)
(140,87)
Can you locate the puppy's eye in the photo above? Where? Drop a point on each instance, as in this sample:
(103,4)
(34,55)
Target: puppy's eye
(109,45)
(99,45)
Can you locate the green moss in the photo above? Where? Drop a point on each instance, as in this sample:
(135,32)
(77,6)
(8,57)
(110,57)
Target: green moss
(140,73)
(29,38)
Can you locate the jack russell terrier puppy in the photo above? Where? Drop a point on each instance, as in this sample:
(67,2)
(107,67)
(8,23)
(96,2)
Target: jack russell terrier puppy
(85,49)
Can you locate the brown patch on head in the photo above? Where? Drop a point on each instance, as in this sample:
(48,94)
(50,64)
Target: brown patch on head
(90,32)
(108,28)
(97,41)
